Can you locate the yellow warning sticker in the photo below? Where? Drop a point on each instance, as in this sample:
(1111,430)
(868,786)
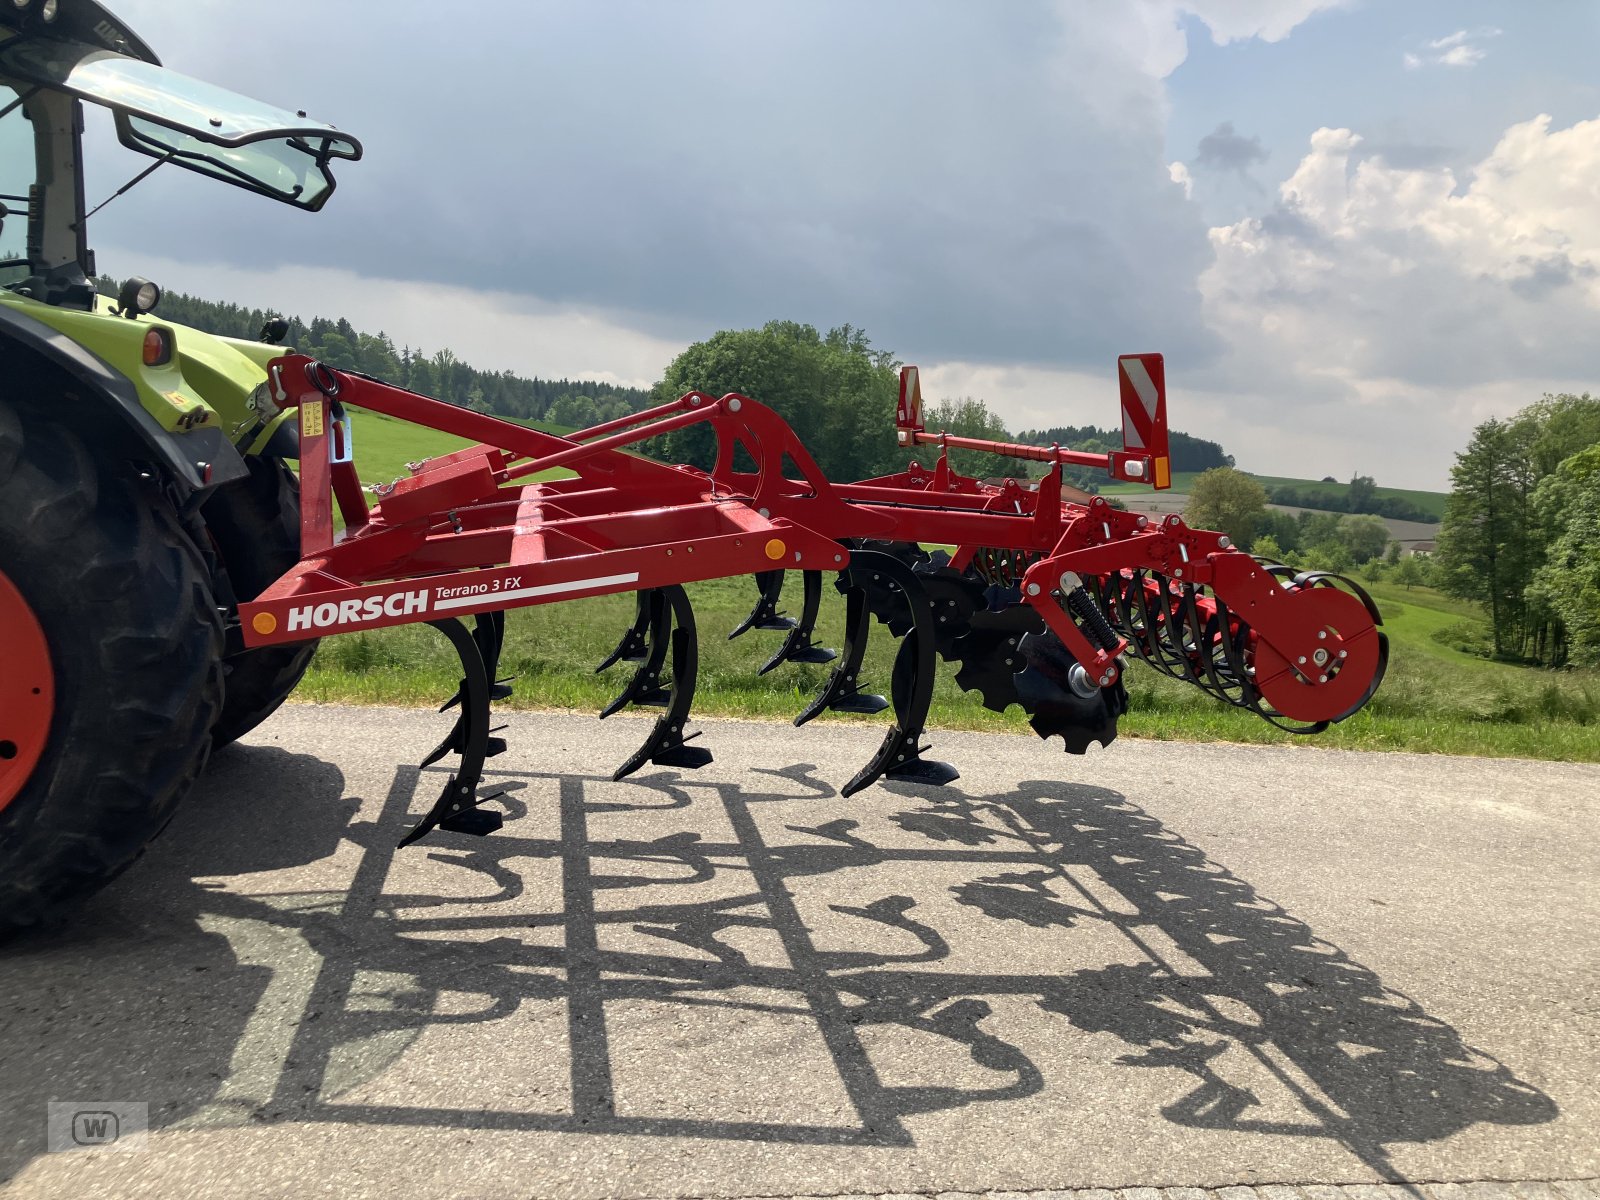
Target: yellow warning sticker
(311,420)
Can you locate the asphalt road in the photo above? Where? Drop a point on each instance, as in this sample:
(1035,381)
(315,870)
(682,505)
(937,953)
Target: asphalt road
(1159,966)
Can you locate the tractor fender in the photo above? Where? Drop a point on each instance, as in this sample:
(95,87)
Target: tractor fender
(196,461)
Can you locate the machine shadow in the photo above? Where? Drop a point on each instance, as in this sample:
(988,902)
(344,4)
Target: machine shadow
(291,1006)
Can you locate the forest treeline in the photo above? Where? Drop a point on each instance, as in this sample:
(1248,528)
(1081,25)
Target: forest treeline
(1360,497)
(336,342)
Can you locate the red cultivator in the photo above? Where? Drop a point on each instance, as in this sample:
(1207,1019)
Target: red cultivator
(1040,603)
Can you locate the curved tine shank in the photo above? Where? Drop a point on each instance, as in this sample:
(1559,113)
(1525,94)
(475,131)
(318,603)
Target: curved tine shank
(645,686)
(899,756)
(489,631)
(666,744)
(798,646)
(769,590)
(842,692)
(633,645)
(454,809)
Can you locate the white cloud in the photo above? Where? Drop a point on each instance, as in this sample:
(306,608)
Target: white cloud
(1459,49)
(1151,33)
(1410,301)
(1179,174)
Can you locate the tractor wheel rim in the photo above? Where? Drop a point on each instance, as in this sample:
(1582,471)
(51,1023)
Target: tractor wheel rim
(27,692)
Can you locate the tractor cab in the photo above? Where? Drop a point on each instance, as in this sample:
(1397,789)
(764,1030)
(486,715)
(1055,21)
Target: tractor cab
(55,55)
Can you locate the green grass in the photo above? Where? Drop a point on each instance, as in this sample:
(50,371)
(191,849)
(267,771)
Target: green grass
(1435,699)
(384,445)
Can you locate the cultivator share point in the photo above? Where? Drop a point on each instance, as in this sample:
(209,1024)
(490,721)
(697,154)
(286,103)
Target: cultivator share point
(1040,601)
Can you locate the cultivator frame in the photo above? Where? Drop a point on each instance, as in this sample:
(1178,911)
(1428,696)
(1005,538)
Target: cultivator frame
(1040,603)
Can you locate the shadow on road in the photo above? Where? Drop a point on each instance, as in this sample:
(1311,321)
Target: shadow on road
(230,1003)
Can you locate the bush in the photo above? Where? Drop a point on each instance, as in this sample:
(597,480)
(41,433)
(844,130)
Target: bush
(1469,637)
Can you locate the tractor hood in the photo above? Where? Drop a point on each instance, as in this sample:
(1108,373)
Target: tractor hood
(185,121)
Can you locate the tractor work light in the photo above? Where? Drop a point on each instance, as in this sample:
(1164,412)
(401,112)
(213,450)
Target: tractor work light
(138,296)
(47,10)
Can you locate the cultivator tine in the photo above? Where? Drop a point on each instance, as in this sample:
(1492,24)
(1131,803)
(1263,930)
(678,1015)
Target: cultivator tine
(645,686)
(765,614)
(667,746)
(634,645)
(457,809)
(899,756)
(797,646)
(488,635)
(842,691)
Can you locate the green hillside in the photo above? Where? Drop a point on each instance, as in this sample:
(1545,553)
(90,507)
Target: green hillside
(1429,502)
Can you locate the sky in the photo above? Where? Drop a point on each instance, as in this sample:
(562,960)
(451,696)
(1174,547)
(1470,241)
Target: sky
(1356,230)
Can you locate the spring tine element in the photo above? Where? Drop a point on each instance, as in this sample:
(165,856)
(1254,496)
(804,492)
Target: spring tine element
(633,647)
(667,745)
(765,615)
(457,809)
(842,692)
(798,646)
(899,756)
(488,633)
(645,686)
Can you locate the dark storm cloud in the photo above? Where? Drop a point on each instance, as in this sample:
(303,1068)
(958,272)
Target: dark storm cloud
(951,177)
(1224,150)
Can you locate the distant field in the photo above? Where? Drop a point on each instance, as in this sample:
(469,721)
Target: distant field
(1182,481)
(1429,502)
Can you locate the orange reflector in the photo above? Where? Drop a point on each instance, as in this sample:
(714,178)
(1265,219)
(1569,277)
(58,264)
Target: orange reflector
(264,623)
(157,347)
(1163,472)
(776,549)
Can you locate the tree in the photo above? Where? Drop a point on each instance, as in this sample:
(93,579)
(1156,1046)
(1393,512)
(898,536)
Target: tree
(1407,573)
(1567,583)
(1228,500)
(1267,547)
(1483,542)
(971,418)
(1362,490)
(575,412)
(836,391)
(1363,536)
(1281,527)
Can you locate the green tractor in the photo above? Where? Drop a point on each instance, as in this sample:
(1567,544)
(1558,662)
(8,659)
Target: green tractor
(144,485)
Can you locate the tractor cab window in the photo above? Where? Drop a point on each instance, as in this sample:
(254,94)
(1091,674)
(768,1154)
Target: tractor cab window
(192,124)
(18,170)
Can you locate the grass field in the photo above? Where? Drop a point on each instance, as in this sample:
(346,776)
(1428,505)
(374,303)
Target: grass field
(1435,699)
(383,445)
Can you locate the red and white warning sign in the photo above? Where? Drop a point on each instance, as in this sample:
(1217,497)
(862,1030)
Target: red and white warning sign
(1143,385)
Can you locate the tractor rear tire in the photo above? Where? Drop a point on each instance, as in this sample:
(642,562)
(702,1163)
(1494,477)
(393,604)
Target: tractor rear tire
(255,526)
(104,581)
